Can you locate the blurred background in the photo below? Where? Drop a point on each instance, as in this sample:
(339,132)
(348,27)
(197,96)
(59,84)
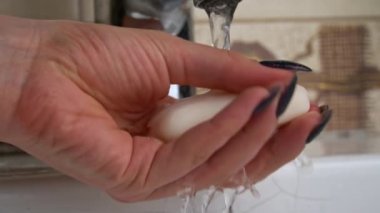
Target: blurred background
(339,39)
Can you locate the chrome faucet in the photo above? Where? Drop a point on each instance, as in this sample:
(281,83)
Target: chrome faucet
(172,14)
(206,4)
(217,6)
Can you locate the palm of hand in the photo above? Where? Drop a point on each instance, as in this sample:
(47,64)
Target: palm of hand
(92,93)
(127,77)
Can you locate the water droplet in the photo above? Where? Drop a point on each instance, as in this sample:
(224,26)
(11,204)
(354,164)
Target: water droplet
(254,192)
(208,198)
(229,199)
(187,198)
(304,164)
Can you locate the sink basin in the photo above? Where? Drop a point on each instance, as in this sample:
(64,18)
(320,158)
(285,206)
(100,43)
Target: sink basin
(347,184)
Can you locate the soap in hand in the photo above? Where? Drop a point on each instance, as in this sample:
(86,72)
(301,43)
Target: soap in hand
(173,121)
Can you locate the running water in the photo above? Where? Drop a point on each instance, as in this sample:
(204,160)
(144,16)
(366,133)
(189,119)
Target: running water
(220,18)
(220,30)
(187,197)
(206,201)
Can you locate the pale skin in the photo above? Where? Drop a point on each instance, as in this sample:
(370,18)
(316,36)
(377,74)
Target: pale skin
(79,96)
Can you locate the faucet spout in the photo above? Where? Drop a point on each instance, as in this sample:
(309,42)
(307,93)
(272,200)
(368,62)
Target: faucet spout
(209,4)
(217,5)
(172,14)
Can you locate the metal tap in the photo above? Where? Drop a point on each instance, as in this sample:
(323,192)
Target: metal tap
(217,6)
(172,14)
(204,4)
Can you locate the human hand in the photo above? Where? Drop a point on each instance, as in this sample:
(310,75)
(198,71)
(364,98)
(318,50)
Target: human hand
(79,97)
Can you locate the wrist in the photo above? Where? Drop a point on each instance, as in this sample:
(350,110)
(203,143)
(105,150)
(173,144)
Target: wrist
(18,48)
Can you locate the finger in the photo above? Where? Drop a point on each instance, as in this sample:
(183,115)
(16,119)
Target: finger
(224,70)
(286,145)
(240,149)
(199,143)
(203,66)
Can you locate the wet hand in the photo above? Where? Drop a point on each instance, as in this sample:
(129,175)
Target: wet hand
(79,97)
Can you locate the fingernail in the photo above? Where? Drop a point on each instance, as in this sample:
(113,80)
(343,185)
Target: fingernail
(326,113)
(286,96)
(268,100)
(287,65)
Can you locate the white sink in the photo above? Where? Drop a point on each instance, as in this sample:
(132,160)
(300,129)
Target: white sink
(347,184)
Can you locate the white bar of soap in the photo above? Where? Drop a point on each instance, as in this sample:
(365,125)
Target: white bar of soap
(173,121)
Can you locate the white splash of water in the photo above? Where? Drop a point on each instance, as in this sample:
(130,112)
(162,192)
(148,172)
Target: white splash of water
(187,198)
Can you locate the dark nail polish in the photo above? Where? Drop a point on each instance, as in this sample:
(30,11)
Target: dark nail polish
(267,101)
(287,65)
(326,113)
(286,96)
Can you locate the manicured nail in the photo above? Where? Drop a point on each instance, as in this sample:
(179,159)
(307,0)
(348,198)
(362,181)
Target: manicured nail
(286,96)
(326,113)
(268,100)
(287,65)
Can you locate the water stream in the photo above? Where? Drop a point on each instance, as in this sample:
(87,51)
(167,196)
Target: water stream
(220,30)
(220,18)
